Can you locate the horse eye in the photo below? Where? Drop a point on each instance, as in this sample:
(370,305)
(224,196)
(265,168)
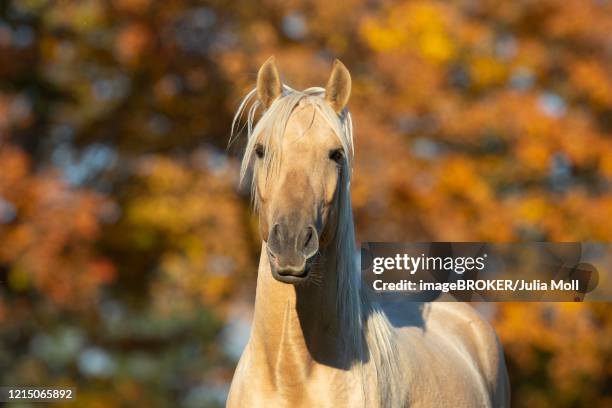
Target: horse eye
(336,155)
(260,151)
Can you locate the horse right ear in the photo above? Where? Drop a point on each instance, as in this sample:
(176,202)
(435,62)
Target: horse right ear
(338,88)
(269,85)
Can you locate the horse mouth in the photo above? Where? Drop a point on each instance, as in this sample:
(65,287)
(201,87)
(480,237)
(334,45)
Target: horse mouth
(292,278)
(289,275)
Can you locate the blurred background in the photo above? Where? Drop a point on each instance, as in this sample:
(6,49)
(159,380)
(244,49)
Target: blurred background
(127,252)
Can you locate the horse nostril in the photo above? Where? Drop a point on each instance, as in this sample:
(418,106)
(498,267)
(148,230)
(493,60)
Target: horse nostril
(311,242)
(308,237)
(276,231)
(275,240)
(291,245)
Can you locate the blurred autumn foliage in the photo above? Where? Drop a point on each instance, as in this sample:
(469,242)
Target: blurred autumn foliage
(127,251)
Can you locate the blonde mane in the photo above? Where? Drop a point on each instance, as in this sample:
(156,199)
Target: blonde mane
(365,330)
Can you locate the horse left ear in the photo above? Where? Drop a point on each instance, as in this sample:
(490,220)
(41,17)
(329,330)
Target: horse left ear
(269,85)
(338,88)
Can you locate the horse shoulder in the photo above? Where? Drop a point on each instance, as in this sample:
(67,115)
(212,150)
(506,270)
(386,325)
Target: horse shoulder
(245,389)
(236,392)
(477,337)
(443,341)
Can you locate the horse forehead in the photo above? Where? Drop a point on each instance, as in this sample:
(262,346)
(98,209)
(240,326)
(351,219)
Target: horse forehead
(308,126)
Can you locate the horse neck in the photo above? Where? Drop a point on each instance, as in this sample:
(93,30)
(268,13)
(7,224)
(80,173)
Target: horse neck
(297,327)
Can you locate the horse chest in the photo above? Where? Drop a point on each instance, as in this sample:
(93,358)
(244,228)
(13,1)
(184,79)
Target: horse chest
(324,387)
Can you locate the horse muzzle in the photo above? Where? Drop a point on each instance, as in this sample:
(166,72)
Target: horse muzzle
(290,251)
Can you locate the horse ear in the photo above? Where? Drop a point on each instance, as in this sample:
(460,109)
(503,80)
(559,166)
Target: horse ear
(269,85)
(338,88)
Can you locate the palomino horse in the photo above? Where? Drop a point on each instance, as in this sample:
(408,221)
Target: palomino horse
(317,340)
